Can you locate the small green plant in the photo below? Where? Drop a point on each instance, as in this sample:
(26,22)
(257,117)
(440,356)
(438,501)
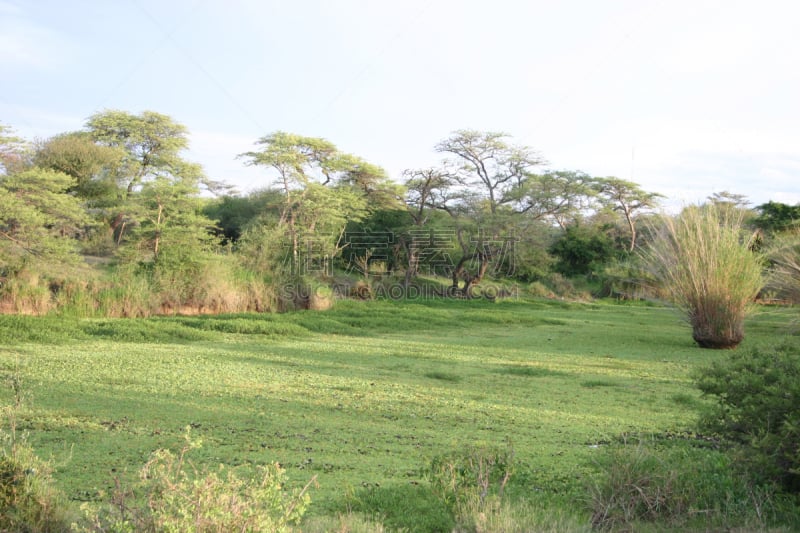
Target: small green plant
(757,393)
(707,266)
(475,472)
(174,496)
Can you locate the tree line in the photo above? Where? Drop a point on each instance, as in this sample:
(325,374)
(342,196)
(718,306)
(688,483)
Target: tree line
(114,219)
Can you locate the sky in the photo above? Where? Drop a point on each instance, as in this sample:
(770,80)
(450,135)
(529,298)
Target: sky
(685,98)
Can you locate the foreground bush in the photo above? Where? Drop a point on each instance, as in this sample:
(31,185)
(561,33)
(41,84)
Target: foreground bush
(29,499)
(173,496)
(643,485)
(704,261)
(757,408)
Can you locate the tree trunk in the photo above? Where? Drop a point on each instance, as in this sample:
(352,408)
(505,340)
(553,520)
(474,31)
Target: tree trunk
(412,268)
(470,280)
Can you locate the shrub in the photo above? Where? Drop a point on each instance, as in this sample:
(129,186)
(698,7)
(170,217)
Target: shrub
(305,292)
(478,472)
(562,287)
(674,486)
(537,289)
(757,408)
(474,485)
(582,250)
(173,496)
(625,280)
(704,262)
(29,500)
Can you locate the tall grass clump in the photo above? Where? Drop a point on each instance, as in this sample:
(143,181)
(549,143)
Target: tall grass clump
(703,260)
(784,255)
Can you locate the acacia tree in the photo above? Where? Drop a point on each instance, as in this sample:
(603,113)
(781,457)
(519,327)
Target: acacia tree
(93,166)
(776,217)
(627,198)
(487,174)
(322,190)
(488,165)
(151,143)
(150,146)
(168,211)
(558,196)
(427,189)
(38,221)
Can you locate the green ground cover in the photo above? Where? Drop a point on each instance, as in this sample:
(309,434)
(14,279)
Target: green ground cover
(364,396)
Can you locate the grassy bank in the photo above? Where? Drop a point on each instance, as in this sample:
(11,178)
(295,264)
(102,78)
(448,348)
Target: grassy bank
(364,396)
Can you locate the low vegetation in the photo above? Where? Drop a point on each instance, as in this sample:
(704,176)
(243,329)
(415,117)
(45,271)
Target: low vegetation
(427,415)
(757,409)
(174,495)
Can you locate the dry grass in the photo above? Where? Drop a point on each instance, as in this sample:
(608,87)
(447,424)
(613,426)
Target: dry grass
(784,277)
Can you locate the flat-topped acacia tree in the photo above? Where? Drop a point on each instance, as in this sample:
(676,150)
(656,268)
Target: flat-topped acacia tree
(321,189)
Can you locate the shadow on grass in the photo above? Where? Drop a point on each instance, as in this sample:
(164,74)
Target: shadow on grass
(529,371)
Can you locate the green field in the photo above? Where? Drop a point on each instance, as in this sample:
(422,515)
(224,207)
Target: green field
(363,396)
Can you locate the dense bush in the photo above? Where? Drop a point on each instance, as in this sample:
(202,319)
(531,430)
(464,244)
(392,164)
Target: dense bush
(757,393)
(582,250)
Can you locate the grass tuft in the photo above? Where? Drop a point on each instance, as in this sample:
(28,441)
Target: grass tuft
(704,260)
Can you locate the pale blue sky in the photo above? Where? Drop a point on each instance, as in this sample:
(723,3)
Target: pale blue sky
(684,97)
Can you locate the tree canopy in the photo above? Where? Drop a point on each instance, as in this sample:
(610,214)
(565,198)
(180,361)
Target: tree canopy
(121,191)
